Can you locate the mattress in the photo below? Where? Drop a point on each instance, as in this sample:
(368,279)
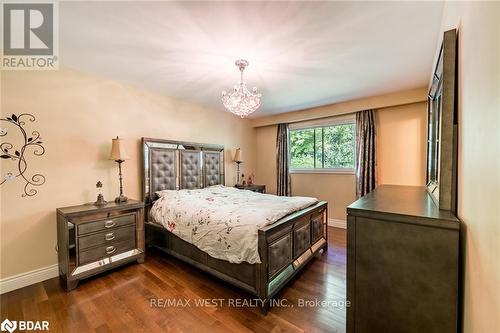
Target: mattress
(223,221)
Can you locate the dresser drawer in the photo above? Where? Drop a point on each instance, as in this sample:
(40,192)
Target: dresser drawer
(110,223)
(106,250)
(107,237)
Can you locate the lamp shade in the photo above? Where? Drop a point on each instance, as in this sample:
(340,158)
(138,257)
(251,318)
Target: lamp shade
(238,156)
(118,150)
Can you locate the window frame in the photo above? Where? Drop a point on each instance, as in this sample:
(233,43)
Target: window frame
(329,123)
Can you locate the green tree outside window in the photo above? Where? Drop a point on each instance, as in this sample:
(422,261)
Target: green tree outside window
(327,147)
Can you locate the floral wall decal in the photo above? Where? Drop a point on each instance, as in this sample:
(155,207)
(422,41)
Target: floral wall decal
(18,154)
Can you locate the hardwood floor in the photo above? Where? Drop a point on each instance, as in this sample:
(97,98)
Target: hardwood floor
(120,301)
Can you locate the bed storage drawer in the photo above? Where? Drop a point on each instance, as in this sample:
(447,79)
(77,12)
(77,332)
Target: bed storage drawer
(301,239)
(280,254)
(106,237)
(316,227)
(104,251)
(109,223)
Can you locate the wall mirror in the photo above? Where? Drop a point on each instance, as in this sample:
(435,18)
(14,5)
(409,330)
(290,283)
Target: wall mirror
(442,126)
(434,103)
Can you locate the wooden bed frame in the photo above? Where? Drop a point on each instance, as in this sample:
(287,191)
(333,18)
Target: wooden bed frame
(285,247)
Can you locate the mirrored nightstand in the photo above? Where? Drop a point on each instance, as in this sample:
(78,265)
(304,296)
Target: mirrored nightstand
(92,239)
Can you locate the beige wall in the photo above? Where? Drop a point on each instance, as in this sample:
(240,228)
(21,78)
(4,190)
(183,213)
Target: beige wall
(339,190)
(400,153)
(77,115)
(401,133)
(266,163)
(479,157)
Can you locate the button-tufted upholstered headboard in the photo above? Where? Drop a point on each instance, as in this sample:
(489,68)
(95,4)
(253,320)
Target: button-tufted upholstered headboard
(173,165)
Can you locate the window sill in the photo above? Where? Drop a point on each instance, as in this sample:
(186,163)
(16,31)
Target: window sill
(324,171)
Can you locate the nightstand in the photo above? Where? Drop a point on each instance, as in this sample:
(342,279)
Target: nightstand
(253,188)
(91,239)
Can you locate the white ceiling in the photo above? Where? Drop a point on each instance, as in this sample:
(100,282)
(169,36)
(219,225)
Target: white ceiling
(302,54)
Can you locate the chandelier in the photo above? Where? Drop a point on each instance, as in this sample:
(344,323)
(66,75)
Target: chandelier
(241,101)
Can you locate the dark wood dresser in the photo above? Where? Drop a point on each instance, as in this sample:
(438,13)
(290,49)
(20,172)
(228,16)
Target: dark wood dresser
(402,263)
(93,239)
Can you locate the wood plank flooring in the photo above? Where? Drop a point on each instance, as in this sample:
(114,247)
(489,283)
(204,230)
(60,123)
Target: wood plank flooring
(120,301)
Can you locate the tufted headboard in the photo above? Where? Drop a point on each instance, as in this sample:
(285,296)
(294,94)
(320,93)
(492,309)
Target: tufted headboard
(174,165)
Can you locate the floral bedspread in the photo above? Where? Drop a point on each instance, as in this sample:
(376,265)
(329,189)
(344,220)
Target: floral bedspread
(223,221)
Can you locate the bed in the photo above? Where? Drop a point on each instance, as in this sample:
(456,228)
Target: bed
(284,247)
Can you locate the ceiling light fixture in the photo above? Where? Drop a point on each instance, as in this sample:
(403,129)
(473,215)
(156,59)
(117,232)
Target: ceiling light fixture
(241,101)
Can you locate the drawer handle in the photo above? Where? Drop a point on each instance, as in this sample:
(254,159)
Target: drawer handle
(109,236)
(109,224)
(110,249)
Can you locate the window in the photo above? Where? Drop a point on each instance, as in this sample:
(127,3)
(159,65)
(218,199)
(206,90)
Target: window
(329,148)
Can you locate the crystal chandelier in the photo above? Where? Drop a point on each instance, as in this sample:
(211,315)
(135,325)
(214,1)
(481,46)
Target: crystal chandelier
(241,101)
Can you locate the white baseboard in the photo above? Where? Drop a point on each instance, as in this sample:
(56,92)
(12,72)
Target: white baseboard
(337,223)
(25,279)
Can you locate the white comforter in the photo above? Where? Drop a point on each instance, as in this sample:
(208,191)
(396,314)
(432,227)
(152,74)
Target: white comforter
(223,221)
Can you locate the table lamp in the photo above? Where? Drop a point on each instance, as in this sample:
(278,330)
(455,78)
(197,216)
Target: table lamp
(119,155)
(238,158)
